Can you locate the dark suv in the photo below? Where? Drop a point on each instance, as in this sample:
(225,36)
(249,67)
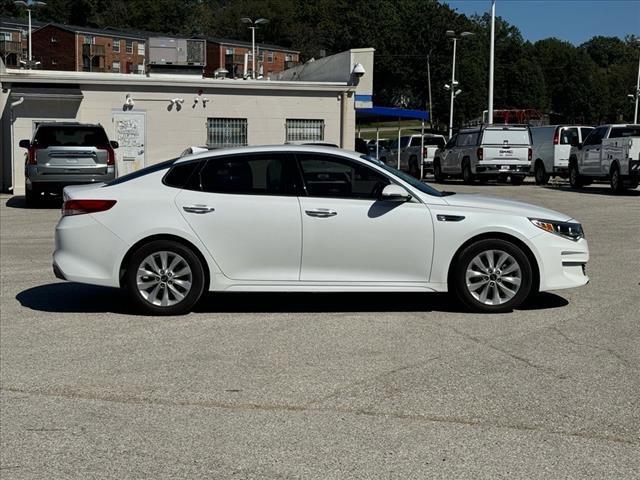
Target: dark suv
(62,154)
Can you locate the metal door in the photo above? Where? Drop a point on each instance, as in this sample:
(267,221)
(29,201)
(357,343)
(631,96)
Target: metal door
(130,133)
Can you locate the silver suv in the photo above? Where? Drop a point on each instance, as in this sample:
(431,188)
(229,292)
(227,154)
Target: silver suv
(492,151)
(62,154)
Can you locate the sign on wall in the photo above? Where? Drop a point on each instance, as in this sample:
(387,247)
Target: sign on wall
(130,133)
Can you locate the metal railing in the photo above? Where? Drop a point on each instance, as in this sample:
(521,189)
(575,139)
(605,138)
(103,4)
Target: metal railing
(8,46)
(304,130)
(226,132)
(91,50)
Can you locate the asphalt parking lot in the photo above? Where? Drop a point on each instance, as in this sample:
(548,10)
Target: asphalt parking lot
(327,386)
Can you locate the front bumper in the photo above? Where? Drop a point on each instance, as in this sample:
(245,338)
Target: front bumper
(562,262)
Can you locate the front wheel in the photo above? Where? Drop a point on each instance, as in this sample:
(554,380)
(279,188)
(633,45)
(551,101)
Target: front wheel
(492,276)
(467,174)
(575,180)
(165,278)
(541,175)
(437,172)
(616,182)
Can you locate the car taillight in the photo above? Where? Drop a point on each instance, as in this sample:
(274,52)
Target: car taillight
(530,154)
(31,156)
(80,207)
(111,156)
(480,154)
(556,137)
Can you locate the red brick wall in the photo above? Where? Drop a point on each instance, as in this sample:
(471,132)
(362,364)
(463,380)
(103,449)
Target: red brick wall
(216,55)
(128,61)
(54,48)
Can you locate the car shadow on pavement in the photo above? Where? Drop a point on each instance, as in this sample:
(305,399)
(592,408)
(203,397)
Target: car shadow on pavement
(19,201)
(595,190)
(68,297)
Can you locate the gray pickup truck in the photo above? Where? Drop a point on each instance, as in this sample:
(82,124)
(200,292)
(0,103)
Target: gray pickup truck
(66,153)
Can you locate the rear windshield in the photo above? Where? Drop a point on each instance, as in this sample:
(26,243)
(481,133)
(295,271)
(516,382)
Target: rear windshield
(142,172)
(70,136)
(619,132)
(511,136)
(437,141)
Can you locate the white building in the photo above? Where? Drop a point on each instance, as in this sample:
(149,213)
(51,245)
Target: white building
(156,117)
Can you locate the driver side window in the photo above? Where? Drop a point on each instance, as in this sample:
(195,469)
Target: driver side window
(332,177)
(451,143)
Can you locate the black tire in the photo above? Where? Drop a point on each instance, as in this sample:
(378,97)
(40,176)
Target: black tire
(438,176)
(414,171)
(190,258)
(458,279)
(615,180)
(502,178)
(32,196)
(467,174)
(575,179)
(517,179)
(540,173)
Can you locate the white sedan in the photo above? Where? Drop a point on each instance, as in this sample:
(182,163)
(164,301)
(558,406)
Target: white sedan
(307,219)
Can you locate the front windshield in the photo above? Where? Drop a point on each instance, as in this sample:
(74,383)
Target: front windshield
(414,182)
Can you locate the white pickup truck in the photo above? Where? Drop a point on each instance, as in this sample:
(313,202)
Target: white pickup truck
(610,152)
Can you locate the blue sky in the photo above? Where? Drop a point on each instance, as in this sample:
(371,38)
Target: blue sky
(573,20)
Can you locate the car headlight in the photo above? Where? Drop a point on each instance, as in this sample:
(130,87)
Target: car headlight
(572,231)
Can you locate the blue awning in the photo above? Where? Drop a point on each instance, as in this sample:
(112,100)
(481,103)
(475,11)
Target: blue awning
(390,112)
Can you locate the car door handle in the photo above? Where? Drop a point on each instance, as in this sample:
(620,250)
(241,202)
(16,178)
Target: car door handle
(198,209)
(321,213)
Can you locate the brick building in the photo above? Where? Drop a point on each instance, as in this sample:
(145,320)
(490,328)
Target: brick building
(11,50)
(64,47)
(229,54)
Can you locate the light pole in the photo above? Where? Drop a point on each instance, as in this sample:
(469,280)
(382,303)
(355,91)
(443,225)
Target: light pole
(492,60)
(29,5)
(454,93)
(429,84)
(252,26)
(636,95)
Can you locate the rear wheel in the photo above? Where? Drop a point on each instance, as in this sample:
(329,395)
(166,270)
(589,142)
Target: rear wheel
(165,278)
(437,171)
(616,182)
(540,173)
(517,179)
(492,276)
(31,195)
(575,179)
(414,171)
(467,174)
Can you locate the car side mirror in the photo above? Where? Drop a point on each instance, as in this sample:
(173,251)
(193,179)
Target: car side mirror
(395,193)
(114,144)
(24,143)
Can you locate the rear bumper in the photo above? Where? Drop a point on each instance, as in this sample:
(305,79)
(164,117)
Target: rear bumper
(57,181)
(502,168)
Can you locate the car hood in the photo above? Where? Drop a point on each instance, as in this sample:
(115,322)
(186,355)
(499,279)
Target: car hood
(470,200)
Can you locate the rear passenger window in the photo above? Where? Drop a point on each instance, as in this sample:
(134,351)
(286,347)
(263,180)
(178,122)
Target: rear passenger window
(568,134)
(264,174)
(326,176)
(181,174)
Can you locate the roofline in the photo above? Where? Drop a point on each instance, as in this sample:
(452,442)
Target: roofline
(242,43)
(94,32)
(128,79)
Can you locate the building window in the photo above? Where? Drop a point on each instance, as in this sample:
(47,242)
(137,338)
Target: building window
(141,50)
(140,68)
(270,57)
(6,36)
(288,58)
(129,46)
(115,67)
(226,132)
(89,40)
(302,130)
(230,51)
(54,40)
(116,46)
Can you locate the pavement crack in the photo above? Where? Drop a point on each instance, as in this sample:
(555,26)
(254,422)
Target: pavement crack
(461,421)
(610,351)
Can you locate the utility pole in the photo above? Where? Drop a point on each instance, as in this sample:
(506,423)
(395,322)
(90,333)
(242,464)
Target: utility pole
(491,60)
(635,115)
(429,82)
(454,93)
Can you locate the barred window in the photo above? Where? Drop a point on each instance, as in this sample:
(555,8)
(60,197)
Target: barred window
(302,130)
(226,132)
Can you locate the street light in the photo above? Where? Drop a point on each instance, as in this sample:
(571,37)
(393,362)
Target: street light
(29,5)
(252,26)
(454,92)
(636,95)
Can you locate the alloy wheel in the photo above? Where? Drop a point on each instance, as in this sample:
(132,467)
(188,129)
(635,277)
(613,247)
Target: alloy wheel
(493,277)
(164,278)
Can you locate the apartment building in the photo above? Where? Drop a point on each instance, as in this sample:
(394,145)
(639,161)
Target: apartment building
(230,55)
(83,49)
(11,50)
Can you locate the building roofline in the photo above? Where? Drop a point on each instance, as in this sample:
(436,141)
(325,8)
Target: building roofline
(242,43)
(161,80)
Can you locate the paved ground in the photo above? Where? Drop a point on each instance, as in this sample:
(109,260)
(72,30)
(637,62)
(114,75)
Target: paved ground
(324,386)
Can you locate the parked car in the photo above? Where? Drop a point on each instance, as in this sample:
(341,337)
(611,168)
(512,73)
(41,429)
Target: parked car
(551,149)
(383,143)
(487,152)
(409,157)
(610,152)
(314,219)
(68,153)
